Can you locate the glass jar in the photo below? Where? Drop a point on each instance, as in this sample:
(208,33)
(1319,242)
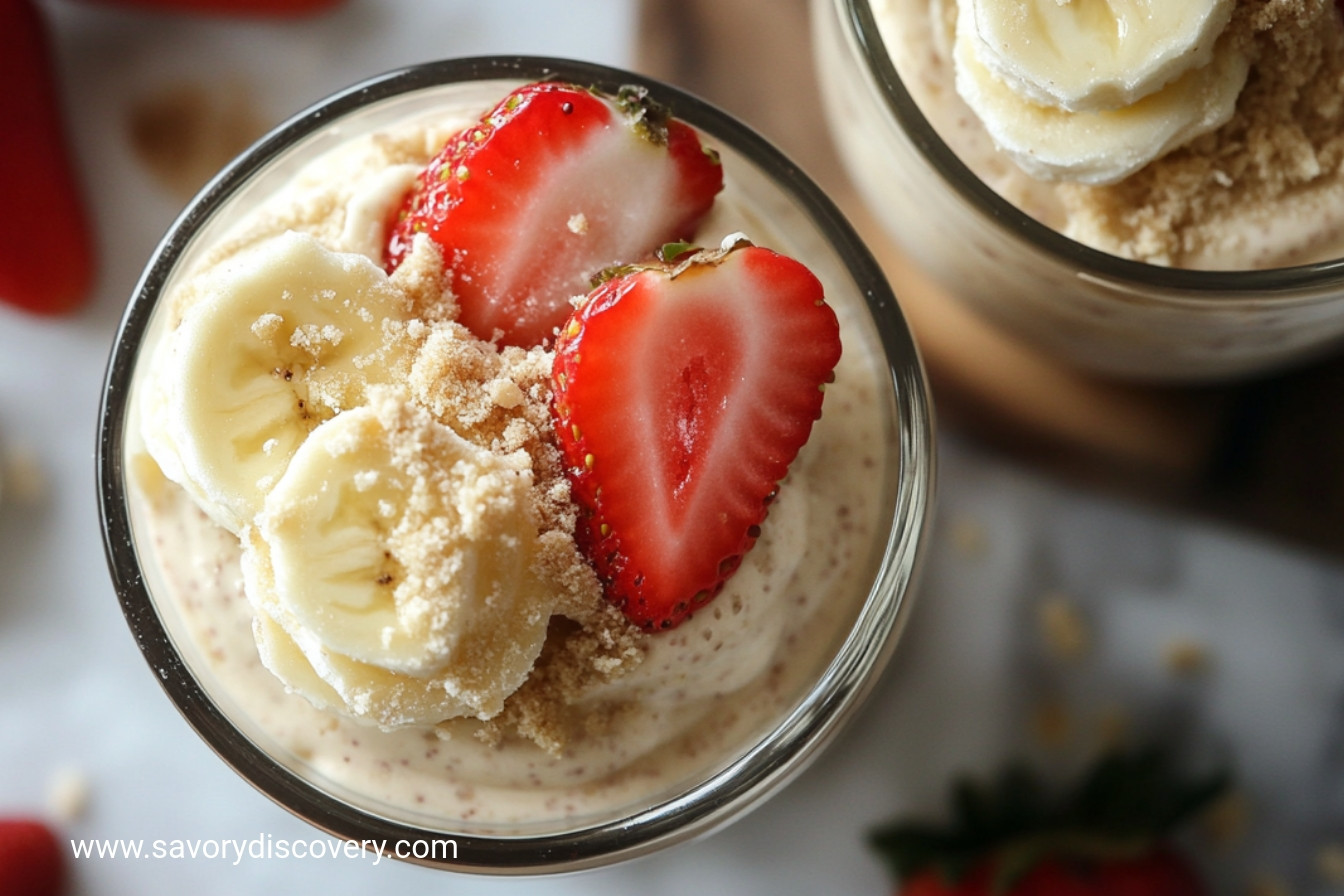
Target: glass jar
(365,784)
(1103,313)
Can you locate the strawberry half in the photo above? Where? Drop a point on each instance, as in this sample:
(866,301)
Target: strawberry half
(681,395)
(31,861)
(554,185)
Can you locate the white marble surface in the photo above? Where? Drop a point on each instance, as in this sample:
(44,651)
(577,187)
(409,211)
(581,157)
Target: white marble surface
(82,711)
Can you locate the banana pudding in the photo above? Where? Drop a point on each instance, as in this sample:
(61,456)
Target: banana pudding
(1199,135)
(446,576)
(1098,179)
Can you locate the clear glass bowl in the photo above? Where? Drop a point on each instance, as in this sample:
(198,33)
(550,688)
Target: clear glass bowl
(720,786)
(1101,312)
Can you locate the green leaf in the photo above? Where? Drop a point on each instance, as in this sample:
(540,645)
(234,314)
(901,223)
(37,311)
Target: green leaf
(649,117)
(670,252)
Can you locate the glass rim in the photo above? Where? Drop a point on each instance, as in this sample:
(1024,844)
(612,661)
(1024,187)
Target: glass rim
(728,793)
(1221,287)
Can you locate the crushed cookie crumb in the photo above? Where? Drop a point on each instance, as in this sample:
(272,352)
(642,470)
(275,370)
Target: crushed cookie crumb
(969,537)
(1113,727)
(500,399)
(1051,723)
(1185,658)
(1267,884)
(421,275)
(1063,628)
(1227,821)
(23,476)
(68,794)
(1329,863)
(1285,140)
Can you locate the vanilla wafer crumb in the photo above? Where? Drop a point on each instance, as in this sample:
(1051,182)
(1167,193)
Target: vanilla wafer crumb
(421,276)
(1063,627)
(1282,147)
(1228,819)
(1185,658)
(1329,863)
(1268,884)
(500,399)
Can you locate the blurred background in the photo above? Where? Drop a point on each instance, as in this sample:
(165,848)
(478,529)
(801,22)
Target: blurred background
(1107,562)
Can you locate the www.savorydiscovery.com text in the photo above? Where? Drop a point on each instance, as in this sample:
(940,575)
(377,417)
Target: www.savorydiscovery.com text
(264,847)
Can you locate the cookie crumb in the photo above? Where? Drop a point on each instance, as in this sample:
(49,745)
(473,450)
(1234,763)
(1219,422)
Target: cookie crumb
(68,795)
(1185,658)
(1329,863)
(1113,728)
(186,132)
(23,475)
(1063,628)
(1267,884)
(1051,723)
(506,393)
(1227,821)
(969,537)
(1285,139)
(500,399)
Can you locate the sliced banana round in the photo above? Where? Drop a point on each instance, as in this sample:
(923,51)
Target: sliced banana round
(280,654)
(361,691)
(281,337)
(335,683)
(1084,55)
(399,558)
(1096,147)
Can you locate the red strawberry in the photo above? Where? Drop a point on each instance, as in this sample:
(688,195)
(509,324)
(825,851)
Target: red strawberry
(261,8)
(31,861)
(1156,872)
(1108,836)
(682,394)
(554,185)
(46,248)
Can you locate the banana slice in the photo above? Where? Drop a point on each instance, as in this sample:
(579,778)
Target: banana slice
(1085,55)
(1095,147)
(360,691)
(284,336)
(398,558)
(282,656)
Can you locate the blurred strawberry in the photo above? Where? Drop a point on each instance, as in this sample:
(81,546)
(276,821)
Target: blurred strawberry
(46,248)
(274,8)
(31,861)
(1109,835)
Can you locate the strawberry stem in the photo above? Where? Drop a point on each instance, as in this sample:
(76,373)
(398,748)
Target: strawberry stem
(648,116)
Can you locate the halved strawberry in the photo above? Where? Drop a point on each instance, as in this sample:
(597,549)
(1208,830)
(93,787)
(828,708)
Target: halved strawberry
(681,395)
(551,187)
